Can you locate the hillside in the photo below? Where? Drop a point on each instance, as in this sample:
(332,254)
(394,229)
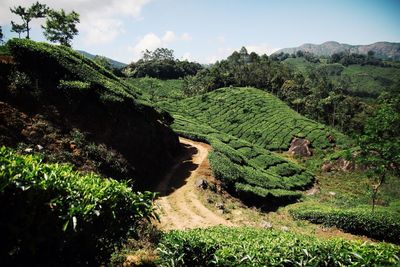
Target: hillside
(243,125)
(255,116)
(82,114)
(364,80)
(114,63)
(383,50)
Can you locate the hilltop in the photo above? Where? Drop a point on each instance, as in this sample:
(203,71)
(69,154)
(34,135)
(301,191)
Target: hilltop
(383,50)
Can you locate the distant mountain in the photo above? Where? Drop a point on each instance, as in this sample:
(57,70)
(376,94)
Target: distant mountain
(384,50)
(114,63)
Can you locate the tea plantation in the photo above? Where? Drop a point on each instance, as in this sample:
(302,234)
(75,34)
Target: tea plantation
(256,175)
(51,213)
(243,125)
(383,224)
(255,116)
(242,246)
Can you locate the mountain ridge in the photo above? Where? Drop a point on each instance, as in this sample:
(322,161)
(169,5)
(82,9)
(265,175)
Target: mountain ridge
(384,50)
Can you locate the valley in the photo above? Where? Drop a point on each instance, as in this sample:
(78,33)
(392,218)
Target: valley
(285,159)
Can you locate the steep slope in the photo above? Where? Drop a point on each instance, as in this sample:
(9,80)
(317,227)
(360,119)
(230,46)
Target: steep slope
(242,125)
(77,111)
(384,50)
(255,116)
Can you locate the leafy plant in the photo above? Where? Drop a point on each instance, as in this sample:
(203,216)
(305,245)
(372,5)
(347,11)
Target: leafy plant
(383,224)
(50,213)
(244,246)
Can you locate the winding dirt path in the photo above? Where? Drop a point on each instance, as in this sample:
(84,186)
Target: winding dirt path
(179,204)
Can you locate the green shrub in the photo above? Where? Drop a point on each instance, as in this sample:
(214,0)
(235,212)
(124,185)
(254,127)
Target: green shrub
(40,59)
(224,246)
(383,224)
(224,169)
(52,214)
(73,85)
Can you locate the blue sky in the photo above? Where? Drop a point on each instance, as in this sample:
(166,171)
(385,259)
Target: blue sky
(208,30)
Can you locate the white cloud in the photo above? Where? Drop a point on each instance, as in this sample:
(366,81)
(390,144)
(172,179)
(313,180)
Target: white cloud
(186,37)
(94,14)
(100,31)
(261,49)
(151,41)
(221,39)
(169,37)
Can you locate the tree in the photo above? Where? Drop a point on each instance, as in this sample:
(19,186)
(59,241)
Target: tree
(61,27)
(36,10)
(159,54)
(380,144)
(1,35)
(18,28)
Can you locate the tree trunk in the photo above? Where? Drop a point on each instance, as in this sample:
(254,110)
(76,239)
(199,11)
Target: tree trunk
(375,189)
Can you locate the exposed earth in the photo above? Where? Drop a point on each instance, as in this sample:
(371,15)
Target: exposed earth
(179,204)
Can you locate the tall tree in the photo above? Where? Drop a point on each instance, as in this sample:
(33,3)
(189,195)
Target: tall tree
(61,27)
(380,144)
(18,28)
(1,35)
(36,10)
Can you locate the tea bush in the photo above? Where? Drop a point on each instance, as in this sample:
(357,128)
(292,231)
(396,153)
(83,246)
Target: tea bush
(255,116)
(39,59)
(382,224)
(52,214)
(245,246)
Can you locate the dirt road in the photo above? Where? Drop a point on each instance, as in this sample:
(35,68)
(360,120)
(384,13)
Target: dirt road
(179,204)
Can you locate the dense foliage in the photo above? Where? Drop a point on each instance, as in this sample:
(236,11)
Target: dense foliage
(37,59)
(223,246)
(380,143)
(52,214)
(34,11)
(383,224)
(312,87)
(347,59)
(162,64)
(61,27)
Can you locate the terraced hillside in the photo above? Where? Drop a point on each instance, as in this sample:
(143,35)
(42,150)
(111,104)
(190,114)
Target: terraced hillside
(256,175)
(243,125)
(255,116)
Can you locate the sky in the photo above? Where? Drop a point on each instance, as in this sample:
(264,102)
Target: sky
(210,30)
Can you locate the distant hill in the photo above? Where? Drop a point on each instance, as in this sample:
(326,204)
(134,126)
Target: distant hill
(114,63)
(384,50)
